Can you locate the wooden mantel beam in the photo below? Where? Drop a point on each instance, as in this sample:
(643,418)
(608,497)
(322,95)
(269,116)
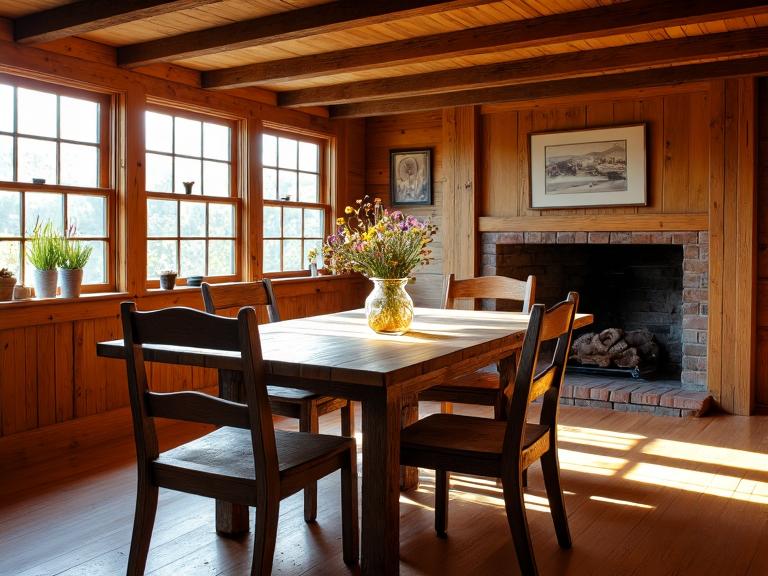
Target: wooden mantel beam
(621,18)
(319,19)
(89,15)
(571,87)
(750,42)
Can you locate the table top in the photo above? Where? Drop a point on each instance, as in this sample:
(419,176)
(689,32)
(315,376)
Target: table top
(340,347)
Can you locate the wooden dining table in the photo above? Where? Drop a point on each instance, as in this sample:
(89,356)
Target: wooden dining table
(338,355)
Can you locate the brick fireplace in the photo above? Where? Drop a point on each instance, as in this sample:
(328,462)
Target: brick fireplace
(662,277)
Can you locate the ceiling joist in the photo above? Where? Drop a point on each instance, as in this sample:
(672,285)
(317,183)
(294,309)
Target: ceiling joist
(89,15)
(572,87)
(678,51)
(624,18)
(319,19)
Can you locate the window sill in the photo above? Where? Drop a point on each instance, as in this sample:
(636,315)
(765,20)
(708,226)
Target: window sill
(88,297)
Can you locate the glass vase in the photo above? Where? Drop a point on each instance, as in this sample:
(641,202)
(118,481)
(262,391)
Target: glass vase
(389,308)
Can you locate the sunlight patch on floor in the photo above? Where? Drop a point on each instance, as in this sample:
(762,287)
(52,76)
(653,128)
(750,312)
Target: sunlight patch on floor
(708,454)
(590,463)
(621,502)
(598,438)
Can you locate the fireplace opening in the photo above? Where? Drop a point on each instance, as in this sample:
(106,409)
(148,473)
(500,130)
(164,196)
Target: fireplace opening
(629,287)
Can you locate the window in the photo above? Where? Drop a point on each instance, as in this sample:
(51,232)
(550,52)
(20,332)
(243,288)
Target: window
(192,204)
(295,201)
(55,165)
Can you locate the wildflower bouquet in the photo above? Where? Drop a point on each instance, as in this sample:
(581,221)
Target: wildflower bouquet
(377,242)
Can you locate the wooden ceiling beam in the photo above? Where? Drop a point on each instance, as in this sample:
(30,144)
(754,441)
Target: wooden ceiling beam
(290,25)
(621,18)
(89,15)
(656,77)
(740,43)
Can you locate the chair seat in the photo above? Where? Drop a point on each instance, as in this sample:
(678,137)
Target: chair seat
(452,439)
(293,394)
(477,388)
(229,452)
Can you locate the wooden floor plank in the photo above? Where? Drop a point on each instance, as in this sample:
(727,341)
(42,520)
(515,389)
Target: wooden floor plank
(644,494)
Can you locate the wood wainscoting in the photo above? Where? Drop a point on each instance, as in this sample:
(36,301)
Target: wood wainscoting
(49,369)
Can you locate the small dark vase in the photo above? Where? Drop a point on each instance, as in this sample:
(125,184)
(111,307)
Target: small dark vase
(188,186)
(167,281)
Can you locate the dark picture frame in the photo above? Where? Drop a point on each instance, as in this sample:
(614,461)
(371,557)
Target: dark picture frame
(589,168)
(410,176)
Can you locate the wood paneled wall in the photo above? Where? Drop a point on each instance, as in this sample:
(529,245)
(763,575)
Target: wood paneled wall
(701,176)
(49,371)
(762,257)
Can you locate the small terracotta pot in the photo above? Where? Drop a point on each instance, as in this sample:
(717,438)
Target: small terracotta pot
(6,288)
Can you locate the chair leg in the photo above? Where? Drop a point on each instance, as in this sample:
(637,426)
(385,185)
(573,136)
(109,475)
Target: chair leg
(518,523)
(348,419)
(441,503)
(349,528)
(143,521)
(446,407)
(525,478)
(551,470)
(308,422)
(265,536)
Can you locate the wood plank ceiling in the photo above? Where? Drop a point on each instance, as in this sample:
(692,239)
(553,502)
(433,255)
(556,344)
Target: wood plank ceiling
(370,57)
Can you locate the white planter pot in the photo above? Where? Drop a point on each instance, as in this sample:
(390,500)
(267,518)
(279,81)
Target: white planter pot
(45,283)
(70,282)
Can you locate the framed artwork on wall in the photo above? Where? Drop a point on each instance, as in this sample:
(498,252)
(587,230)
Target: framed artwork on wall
(410,176)
(586,168)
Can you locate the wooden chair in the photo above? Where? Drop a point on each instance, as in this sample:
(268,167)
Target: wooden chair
(303,405)
(504,449)
(483,387)
(246,461)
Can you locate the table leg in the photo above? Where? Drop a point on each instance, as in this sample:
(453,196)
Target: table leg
(231,519)
(380,542)
(409,475)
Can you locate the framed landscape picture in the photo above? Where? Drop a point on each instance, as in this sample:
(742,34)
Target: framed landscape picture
(583,168)
(410,176)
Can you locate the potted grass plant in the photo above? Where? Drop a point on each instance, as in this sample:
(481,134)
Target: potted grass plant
(43,249)
(7,283)
(73,256)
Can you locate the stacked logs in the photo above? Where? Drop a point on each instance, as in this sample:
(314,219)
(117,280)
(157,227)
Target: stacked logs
(614,347)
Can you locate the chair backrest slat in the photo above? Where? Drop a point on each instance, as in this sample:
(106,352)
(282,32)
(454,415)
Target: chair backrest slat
(197,407)
(218,297)
(491,287)
(556,325)
(184,327)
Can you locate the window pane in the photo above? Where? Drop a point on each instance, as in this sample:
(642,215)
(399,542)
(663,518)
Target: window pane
(79,165)
(271,256)
(158,129)
(6,108)
(10,257)
(36,113)
(79,120)
(161,218)
(88,213)
(313,223)
(187,137)
(41,207)
(269,150)
(95,271)
(292,256)
(292,222)
(37,159)
(221,220)
(216,178)
(159,173)
(6,158)
(192,221)
(287,153)
(192,258)
(286,184)
(221,257)
(161,255)
(187,170)
(308,188)
(272,226)
(10,221)
(269,183)
(216,141)
(308,155)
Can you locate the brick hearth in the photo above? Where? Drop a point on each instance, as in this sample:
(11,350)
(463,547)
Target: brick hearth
(694,310)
